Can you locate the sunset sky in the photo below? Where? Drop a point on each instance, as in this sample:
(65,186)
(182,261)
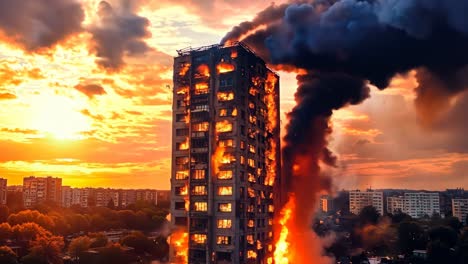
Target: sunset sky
(86,96)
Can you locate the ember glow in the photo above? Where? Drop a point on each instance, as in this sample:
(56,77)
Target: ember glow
(203,70)
(224,67)
(283,252)
(223,126)
(179,240)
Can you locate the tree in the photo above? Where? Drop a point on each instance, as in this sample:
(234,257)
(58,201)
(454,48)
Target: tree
(113,253)
(5,232)
(410,237)
(442,240)
(4,213)
(98,240)
(369,215)
(28,216)
(453,223)
(161,248)
(7,256)
(111,204)
(78,246)
(46,250)
(139,242)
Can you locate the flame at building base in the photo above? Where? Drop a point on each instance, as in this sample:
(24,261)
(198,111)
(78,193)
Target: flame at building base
(179,241)
(282,253)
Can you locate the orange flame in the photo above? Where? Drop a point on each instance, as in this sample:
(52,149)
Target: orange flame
(282,253)
(184,145)
(234,54)
(225,96)
(203,70)
(225,191)
(270,101)
(234,112)
(223,126)
(183,90)
(184,69)
(224,67)
(184,190)
(179,241)
(201,88)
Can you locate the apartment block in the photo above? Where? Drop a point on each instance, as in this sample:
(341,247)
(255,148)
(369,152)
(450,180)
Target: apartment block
(395,204)
(460,209)
(40,189)
(3,191)
(225,155)
(360,199)
(421,204)
(326,204)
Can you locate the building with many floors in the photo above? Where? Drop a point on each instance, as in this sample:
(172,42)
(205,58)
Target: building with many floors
(421,204)
(225,155)
(460,209)
(395,204)
(3,191)
(40,189)
(360,199)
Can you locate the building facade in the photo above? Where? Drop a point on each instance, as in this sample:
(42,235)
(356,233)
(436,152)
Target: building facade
(460,209)
(358,200)
(326,204)
(40,189)
(421,204)
(3,191)
(395,204)
(226,157)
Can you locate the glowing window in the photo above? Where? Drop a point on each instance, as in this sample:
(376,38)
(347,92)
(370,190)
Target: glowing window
(251,163)
(199,190)
(225,96)
(198,175)
(200,127)
(223,112)
(225,207)
(224,223)
(199,238)
(251,254)
(200,206)
(225,190)
(225,175)
(182,175)
(223,240)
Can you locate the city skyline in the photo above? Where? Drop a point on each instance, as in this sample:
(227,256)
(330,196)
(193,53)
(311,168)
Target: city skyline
(96,119)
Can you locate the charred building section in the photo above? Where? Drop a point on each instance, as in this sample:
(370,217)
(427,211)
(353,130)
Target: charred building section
(226,156)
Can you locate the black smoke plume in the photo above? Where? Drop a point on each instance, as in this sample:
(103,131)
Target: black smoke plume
(36,24)
(345,46)
(120,32)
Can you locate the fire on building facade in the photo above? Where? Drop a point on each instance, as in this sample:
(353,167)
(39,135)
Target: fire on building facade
(225,157)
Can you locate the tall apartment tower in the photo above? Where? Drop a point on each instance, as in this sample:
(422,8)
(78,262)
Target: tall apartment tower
(3,191)
(225,156)
(39,189)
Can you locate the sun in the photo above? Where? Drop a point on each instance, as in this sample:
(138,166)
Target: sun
(59,116)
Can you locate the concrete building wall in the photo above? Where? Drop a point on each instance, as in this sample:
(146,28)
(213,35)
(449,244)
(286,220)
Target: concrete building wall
(395,204)
(358,200)
(3,191)
(421,204)
(225,154)
(460,209)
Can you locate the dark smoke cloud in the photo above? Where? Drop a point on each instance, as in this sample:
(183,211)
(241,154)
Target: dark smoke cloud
(345,46)
(37,24)
(120,32)
(90,90)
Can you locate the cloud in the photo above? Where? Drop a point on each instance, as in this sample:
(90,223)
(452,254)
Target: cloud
(90,90)
(7,96)
(36,24)
(119,32)
(20,131)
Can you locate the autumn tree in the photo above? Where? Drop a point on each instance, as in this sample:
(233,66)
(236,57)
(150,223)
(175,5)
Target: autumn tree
(45,250)
(28,216)
(78,246)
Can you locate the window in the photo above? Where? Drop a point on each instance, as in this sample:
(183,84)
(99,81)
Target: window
(271,208)
(225,207)
(251,148)
(223,126)
(251,223)
(199,108)
(223,112)
(242,160)
(223,240)
(251,192)
(200,206)
(200,127)
(251,163)
(250,239)
(180,205)
(225,175)
(225,82)
(252,119)
(198,174)
(201,88)
(227,143)
(225,96)
(224,223)
(182,175)
(181,190)
(199,190)
(225,190)
(182,132)
(198,238)
(242,144)
(181,118)
(251,254)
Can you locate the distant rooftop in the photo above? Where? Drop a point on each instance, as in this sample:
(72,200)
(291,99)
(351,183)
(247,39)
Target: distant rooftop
(189,50)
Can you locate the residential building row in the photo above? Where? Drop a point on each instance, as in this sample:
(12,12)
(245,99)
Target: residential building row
(37,190)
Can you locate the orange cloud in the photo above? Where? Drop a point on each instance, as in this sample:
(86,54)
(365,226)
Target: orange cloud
(90,90)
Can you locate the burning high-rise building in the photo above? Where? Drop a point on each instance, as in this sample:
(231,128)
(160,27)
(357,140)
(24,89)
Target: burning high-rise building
(225,157)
